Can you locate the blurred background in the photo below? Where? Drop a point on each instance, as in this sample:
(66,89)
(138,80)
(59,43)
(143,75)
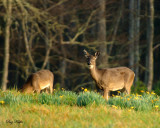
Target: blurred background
(51,34)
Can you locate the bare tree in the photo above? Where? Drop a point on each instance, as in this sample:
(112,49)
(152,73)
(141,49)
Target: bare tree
(8,7)
(102,32)
(150,36)
(131,34)
(137,38)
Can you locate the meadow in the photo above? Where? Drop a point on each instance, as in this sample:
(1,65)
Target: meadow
(68,109)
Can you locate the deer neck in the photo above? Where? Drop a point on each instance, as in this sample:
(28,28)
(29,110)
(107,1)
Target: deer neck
(94,72)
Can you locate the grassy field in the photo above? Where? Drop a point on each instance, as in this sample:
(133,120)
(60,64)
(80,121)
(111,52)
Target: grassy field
(65,109)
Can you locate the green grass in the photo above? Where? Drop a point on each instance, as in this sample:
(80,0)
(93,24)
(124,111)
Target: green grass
(85,109)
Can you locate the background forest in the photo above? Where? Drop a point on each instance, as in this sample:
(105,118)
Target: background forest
(51,34)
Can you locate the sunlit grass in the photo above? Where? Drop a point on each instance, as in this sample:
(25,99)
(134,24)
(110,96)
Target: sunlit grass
(85,109)
(145,101)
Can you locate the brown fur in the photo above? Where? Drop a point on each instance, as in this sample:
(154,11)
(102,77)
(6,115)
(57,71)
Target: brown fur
(38,81)
(110,79)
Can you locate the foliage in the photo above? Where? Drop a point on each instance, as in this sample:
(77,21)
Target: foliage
(88,98)
(156,88)
(145,102)
(62,109)
(139,85)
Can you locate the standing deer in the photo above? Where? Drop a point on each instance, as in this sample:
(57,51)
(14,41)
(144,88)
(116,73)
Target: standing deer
(110,79)
(38,81)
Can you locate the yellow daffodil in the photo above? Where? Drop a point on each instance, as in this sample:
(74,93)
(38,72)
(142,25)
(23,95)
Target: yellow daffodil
(129,110)
(118,91)
(147,92)
(156,106)
(2,102)
(136,98)
(85,90)
(113,106)
(61,96)
(153,93)
(152,101)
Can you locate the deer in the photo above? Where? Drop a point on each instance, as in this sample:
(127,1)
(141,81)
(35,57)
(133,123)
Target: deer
(110,79)
(38,81)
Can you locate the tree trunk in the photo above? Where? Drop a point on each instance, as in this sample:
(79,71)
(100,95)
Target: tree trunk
(131,34)
(137,35)
(7,42)
(27,44)
(102,33)
(63,64)
(150,34)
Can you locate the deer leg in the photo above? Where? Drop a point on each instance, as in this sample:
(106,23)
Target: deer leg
(51,88)
(46,90)
(106,93)
(129,83)
(36,86)
(128,90)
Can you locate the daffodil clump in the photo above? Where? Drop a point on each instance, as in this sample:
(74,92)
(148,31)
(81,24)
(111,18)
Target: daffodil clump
(87,98)
(146,101)
(138,102)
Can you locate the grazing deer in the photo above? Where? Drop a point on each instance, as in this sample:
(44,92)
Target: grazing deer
(110,79)
(38,81)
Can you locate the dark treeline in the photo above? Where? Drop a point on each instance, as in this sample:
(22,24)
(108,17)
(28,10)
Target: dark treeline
(51,34)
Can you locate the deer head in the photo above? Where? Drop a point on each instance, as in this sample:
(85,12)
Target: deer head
(91,59)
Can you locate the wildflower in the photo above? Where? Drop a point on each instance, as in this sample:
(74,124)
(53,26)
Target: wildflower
(153,93)
(152,101)
(128,99)
(129,110)
(113,106)
(136,98)
(63,89)
(147,92)
(2,102)
(82,88)
(132,107)
(85,90)
(142,91)
(156,106)
(113,95)
(54,89)
(118,91)
(61,96)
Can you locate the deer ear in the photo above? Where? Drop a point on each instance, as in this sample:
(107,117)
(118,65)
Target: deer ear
(97,54)
(85,53)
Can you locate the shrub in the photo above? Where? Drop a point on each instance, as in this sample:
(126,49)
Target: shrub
(139,85)
(88,98)
(156,88)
